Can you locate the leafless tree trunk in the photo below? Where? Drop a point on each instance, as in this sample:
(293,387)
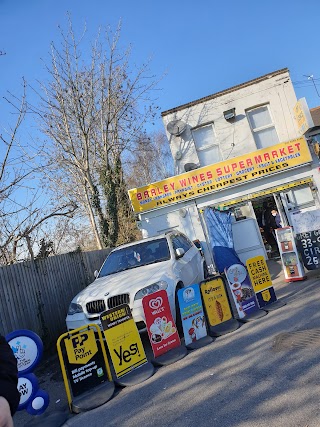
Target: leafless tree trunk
(21,215)
(94,111)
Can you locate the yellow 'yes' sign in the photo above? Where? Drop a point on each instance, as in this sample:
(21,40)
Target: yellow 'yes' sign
(123,339)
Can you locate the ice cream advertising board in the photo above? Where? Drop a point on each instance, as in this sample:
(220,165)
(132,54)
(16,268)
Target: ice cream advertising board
(261,280)
(123,340)
(161,328)
(241,290)
(215,301)
(192,315)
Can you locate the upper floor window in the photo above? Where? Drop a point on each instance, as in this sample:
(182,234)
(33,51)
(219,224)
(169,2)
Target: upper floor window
(208,149)
(262,127)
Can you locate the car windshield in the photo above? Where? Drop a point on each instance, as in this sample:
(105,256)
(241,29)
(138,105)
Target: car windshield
(136,256)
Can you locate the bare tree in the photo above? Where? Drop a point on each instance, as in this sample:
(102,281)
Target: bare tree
(93,111)
(21,212)
(151,161)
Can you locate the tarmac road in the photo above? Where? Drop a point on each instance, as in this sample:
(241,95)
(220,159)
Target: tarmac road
(264,374)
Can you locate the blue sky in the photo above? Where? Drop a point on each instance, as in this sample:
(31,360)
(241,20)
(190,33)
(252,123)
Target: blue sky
(204,46)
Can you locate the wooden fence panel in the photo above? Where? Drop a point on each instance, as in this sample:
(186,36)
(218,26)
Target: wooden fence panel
(36,295)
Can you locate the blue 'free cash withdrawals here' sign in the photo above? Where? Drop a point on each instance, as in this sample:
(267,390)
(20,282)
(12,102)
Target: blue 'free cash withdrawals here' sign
(192,315)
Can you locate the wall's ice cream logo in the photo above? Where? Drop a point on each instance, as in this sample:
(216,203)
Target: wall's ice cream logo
(156,305)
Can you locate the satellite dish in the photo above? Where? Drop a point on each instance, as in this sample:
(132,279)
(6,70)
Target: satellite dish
(176,127)
(190,166)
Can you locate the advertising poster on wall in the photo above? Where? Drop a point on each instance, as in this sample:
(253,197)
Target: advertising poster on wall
(85,363)
(308,245)
(123,340)
(261,280)
(192,315)
(241,290)
(215,301)
(161,327)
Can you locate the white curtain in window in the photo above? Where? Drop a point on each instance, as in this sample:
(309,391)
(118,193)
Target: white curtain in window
(203,137)
(207,148)
(266,137)
(262,127)
(259,117)
(209,155)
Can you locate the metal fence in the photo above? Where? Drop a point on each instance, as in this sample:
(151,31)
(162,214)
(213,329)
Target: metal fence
(36,295)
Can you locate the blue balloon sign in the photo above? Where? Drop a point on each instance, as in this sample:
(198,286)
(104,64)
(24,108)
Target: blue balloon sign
(28,349)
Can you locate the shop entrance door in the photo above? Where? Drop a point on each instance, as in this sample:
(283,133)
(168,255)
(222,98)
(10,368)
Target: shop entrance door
(265,208)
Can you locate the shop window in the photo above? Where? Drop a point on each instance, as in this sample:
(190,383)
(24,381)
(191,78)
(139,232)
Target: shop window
(207,148)
(299,198)
(262,127)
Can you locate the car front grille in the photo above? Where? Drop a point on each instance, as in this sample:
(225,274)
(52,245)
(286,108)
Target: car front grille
(118,300)
(97,306)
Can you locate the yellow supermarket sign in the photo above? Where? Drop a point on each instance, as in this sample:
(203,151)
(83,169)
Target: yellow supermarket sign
(218,176)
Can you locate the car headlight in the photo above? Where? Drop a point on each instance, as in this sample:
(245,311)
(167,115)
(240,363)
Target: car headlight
(74,308)
(151,289)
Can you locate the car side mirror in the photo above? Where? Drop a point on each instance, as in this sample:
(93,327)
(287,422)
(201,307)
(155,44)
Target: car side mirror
(96,273)
(180,252)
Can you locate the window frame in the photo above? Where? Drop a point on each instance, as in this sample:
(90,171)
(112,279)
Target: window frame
(261,128)
(215,143)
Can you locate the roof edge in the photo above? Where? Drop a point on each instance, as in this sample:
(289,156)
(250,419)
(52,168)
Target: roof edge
(224,92)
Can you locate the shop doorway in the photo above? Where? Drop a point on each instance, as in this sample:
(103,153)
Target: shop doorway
(263,208)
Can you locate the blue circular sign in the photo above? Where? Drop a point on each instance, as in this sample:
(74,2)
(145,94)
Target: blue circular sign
(27,348)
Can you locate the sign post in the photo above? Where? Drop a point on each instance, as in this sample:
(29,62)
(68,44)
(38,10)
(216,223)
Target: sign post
(85,368)
(217,307)
(162,331)
(262,284)
(125,346)
(193,318)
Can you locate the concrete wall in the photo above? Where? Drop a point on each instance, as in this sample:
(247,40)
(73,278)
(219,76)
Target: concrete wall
(235,138)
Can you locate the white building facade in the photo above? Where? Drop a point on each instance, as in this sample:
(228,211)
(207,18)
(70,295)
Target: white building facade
(237,149)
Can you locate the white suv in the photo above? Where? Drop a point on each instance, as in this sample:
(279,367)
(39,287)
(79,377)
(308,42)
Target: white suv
(131,271)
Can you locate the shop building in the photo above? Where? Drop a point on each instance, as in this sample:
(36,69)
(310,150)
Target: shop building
(242,149)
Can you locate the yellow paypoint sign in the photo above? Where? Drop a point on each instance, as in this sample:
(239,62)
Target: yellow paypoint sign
(84,365)
(81,347)
(215,301)
(259,273)
(123,339)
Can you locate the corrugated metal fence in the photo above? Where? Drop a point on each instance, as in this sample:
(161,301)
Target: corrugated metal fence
(36,295)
